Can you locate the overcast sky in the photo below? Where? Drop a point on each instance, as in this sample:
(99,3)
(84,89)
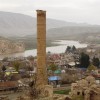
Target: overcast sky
(81,11)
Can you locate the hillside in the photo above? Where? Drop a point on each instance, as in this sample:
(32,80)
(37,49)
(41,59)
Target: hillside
(15,24)
(19,27)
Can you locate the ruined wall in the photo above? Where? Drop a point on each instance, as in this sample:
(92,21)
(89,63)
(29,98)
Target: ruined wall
(86,88)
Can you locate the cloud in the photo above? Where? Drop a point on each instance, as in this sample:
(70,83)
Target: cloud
(6,6)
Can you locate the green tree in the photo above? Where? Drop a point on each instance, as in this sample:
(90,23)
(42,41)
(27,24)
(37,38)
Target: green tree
(73,48)
(96,61)
(91,67)
(3,73)
(68,49)
(16,65)
(3,68)
(84,60)
(53,67)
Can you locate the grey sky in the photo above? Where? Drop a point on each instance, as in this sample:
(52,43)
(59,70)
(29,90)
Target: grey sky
(85,11)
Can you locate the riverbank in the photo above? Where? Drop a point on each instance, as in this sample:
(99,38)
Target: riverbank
(60,47)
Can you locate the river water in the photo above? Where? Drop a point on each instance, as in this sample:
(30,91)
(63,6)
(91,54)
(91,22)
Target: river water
(62,45)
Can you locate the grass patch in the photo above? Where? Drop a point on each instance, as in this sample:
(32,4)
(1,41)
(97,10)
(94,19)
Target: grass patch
(62,91)
(78,98)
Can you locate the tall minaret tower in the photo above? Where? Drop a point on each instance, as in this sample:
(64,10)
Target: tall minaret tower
(41,49)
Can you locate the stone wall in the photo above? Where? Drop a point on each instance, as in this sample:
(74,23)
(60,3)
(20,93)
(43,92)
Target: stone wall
(86,88)
(8,47)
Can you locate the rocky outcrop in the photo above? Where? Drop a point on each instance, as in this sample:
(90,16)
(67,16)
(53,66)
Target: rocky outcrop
(8,46)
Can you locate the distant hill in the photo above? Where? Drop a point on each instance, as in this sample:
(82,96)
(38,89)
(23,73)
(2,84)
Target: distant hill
(73,30)
(15,24)
(20,27)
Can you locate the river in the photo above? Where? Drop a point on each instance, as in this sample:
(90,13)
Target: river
(62,45)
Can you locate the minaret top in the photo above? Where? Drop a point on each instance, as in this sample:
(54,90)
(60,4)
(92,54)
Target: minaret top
(40,11)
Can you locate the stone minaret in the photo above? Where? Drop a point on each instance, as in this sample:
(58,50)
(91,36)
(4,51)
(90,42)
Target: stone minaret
(41,49)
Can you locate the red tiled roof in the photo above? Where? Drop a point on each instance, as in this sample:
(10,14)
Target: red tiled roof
(8,84)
